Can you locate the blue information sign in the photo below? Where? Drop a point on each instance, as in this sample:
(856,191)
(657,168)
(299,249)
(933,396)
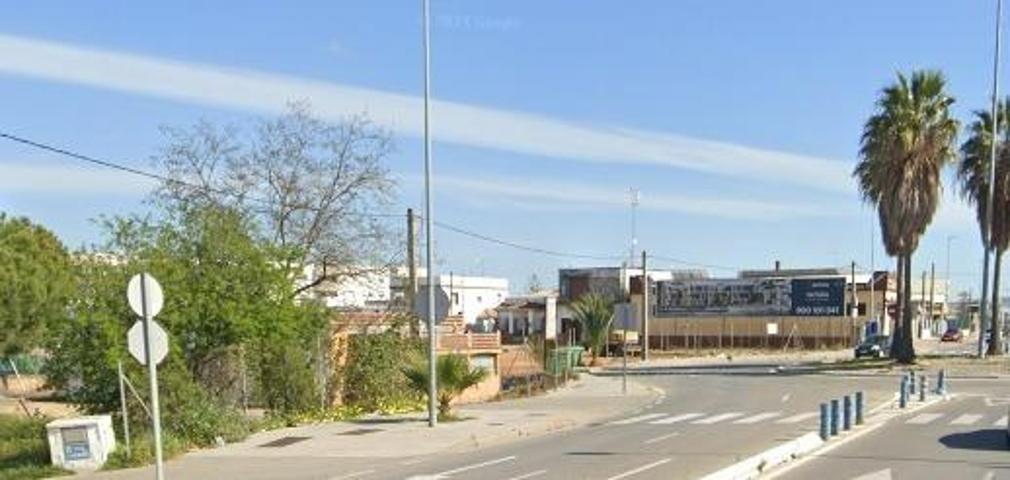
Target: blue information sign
(818,297)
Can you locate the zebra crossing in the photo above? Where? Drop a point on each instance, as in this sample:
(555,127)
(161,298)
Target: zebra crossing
(961,420)
(702,418)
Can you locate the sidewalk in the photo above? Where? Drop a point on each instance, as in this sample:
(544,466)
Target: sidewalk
(728,359)
(310,451)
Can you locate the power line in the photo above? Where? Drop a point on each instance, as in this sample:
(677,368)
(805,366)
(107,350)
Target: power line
(162,178)
(518,246)
(459,230)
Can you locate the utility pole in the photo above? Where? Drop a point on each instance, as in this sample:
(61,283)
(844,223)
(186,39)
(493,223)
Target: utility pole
(932,288)
(987,230)
(922,311)
(947,288)
(411,294)
(635,198)
(855,303)
(429,237)
(873,280)
(645,309)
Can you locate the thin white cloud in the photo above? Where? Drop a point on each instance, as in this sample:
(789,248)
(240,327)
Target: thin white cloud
(554,195)
(453,122)
(16,177)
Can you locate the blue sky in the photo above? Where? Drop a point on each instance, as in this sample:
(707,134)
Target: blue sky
(738,121)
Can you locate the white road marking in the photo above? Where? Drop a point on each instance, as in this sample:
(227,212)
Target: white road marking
(677,418)
(529,475)
(476,466)
(717,418)
(629,421)
(884,474)
(798,418)
(353,475)
(924,418)
(1002,422)
(786,397)
(661,438)
(966,419)
(639,469)
(758,418)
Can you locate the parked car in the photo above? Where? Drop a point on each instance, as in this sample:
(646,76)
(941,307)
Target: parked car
(952,334)
(876,346)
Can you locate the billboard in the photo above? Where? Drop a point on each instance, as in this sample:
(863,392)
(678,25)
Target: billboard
(752,296)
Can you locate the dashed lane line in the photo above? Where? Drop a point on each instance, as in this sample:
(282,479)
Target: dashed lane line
(629,421)
(640,469)
(661,438)
(676,418)
(717,418)
(757,418)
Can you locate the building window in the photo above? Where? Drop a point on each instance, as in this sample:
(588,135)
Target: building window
(455,298)
(479,299)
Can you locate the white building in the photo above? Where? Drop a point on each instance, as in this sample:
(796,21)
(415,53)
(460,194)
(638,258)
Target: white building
(455,295)
(531,314)
(355,289)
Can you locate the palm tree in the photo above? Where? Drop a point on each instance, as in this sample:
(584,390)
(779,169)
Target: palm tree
(973,176)
(904,147)
(595,312)
(454,376)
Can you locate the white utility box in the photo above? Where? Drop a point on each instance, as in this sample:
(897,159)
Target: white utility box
(81,443)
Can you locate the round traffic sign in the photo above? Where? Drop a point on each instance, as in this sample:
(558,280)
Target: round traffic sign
(158,340)
(143,288)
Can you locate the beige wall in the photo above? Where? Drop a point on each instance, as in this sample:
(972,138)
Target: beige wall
(738,331)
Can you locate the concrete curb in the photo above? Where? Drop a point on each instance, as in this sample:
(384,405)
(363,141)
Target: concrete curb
(876,421)
(784,453)
(752,467)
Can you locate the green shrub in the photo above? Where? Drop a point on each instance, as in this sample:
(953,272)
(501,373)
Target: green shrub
(24,449)
(372,377)
(142,450)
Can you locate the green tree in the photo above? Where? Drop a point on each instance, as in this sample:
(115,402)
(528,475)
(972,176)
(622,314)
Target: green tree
(905,145)
(35,283)
(228,310)
(454,376)
(973,176)
(595,312)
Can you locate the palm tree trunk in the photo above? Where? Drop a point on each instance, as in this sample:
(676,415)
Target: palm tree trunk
(906,354)
(996,345)
(896,323)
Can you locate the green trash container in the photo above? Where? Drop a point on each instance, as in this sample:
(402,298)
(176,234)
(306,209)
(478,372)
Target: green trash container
(557,361)
(575,356)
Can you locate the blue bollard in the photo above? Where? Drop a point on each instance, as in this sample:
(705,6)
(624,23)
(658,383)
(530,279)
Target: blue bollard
(859,407)
(903,393)
(923,388)
(824,421)
(835,414)
(847,412)
(941,382)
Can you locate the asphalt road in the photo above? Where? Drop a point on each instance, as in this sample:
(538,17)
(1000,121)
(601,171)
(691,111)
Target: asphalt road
(704,423)
(964,438)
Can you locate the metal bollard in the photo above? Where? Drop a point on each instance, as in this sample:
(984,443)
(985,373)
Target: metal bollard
(847,412)
(911,383)
(835,414)
(923,388)
(859,407)
(824,421)
(903,393)
(941,382)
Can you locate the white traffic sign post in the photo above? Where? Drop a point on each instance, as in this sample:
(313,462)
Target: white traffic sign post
(148,343)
